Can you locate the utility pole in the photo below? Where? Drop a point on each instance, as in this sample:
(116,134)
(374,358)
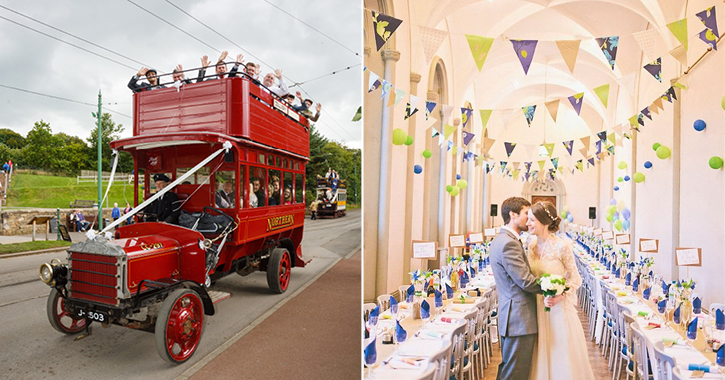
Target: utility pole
(100,156)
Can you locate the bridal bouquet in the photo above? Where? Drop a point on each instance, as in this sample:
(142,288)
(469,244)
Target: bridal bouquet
(552,285)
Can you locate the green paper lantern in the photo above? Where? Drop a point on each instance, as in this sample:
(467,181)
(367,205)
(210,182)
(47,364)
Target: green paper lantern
(618,224)
(409,140)
(722,102)
(620,179)
(455,191)
(427,153)
(449,188)
(638,177)
(656,146)
(622,165)
(715,162)
(462,184)
(399,136)
(663,152)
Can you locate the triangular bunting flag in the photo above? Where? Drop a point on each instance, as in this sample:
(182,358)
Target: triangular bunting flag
(465,116)
(710,34)
(555,162)
(532,150)
(609,48)
(576,101)
(591,161)
(640,119)
(487,144)
(633,121)
(680,54)
(658,103)
(358,114)
(525,52)
(399,94)
(602,135)
(553,107)
(541,164)
(618,129)
(628,82)
(485,115)
(598,145)
(391,98)
(429,106)
(610,149)
(384,27)
(527,165)
(450,145)
(516,165)
(480,46)
(645,112)
(679,30)
(467,137)
(651,43)
(569,50)
(374,82)
(584,151)
(655,68)
(549,148)
(503,166)
(585,142)
(409,111)
(434,132)
(612,137)
(431,40)
(580,165)
(509,148)
(515,174)
(385,89)
(448,130)
(569,145)
(447,111)
(529,113)
(603,93)
(671,92)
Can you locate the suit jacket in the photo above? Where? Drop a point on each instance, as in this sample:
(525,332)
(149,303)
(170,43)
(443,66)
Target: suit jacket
(516,286)
(166,208)
(143,86)
(202,74)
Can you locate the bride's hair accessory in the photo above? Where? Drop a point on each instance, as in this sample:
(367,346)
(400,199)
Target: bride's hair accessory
(553,218)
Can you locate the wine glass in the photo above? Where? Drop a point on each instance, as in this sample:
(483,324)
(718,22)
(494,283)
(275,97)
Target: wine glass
(371,358)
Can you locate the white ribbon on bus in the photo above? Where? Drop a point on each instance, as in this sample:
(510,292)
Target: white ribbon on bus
(107,231)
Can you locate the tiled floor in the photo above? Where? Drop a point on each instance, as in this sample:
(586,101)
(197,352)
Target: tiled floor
(599,364)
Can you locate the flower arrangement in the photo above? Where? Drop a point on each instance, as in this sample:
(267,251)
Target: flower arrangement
(686,285)
(552,285)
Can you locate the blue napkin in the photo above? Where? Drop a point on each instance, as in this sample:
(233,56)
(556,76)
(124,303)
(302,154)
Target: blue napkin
(371,354)
(393,305)
(410,294)
(721,355)
(635,285)
(651,274)
(646,293)
(618,272)
(373,317)
(628,279)
(424,310)
(400,334)
(481,264)
(719,320)
(464,279)
(697,305)
(439,299)
(665,287)
(662,306)
(692,329)
(676,315)
(449,291)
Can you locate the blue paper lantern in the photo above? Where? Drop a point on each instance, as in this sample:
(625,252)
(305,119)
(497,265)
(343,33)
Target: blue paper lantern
(417,169)
(616,188)
(626,178)
(699,125)
(647,164)
(458,176)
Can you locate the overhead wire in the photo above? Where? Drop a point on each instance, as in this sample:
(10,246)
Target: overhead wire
(60,98)
(72,35)
(326,75)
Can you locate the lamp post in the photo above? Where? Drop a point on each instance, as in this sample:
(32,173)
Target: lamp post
(100,163)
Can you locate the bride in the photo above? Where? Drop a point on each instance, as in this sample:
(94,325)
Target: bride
(561,351)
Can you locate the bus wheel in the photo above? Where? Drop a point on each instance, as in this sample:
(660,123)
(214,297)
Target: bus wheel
(60,318)
(179,326)
(278,270)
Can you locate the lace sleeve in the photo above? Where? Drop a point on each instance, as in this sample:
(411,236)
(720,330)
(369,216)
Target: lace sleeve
(573,279)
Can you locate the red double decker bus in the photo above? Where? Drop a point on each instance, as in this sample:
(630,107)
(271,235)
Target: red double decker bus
(236,155)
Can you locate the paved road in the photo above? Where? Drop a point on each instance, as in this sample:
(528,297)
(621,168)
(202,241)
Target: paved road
(33,349)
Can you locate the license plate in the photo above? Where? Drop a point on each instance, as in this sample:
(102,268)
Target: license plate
(92,315)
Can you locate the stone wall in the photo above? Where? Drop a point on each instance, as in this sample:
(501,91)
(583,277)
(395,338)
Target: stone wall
(15,222)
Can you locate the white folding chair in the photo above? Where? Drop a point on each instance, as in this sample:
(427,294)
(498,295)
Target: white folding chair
(367,308)
(429,373)
(624,354)
(663,363)
(640,352)
(441,361)
(403,292)
(466,367)
(384,302)
(677,374)
(458,339)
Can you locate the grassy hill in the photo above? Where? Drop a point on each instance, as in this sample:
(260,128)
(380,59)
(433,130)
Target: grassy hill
(29,190)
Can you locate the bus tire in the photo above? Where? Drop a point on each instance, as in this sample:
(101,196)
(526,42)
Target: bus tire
(278,270)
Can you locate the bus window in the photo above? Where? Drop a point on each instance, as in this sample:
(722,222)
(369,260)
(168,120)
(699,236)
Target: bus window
(270,160)
(261,158)
(153,188)
(258,180)
(201,176)
(224,196)
(287,193)
(299,180)
(245,188)
(279,162)
(273,188)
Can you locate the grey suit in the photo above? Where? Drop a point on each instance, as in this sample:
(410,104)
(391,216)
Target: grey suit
(517,290)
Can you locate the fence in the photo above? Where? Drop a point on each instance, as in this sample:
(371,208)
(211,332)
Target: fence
(92,176)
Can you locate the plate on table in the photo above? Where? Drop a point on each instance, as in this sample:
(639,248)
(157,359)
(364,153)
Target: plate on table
(408,362)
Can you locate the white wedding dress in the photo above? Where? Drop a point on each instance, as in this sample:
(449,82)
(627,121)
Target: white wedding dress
(561,349)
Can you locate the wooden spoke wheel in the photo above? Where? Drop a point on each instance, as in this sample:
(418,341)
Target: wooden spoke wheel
(60,317)
(278,270)
(179,326)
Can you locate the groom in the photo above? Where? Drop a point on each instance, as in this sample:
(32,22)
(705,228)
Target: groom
(517,290)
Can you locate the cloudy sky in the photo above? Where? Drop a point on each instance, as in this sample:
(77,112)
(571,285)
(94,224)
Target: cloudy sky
(35,62)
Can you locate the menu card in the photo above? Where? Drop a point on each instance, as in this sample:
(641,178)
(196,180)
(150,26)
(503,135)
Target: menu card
(424,249)
(457,241)
(688,257)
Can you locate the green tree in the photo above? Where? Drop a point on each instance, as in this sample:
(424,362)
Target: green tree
(73,154)
(111,132)
(317,164)
(346,162)
(42,147)
(12,139)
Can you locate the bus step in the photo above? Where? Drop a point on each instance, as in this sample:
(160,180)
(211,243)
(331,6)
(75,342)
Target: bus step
(217,296)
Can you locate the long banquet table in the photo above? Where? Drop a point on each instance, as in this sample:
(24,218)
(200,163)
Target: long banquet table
(644,312)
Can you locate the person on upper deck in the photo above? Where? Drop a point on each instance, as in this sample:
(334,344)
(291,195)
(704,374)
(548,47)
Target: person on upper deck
(253,71)
(308,114)
(178,75)
(150,76)
(278,89)
(221,67)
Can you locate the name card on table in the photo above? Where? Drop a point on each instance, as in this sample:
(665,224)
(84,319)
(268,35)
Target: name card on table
(649,245)
(489,232)
(424,249)
(688,257)
(622,239)
(475,237)
(457,241)
(607,235)
(598,232)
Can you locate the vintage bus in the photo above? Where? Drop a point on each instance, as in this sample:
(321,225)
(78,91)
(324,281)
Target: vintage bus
(228,135)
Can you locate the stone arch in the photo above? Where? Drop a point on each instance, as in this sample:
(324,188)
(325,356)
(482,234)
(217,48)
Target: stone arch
(548,187)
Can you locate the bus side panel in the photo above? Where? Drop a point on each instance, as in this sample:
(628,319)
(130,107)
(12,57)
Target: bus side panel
(197,107)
